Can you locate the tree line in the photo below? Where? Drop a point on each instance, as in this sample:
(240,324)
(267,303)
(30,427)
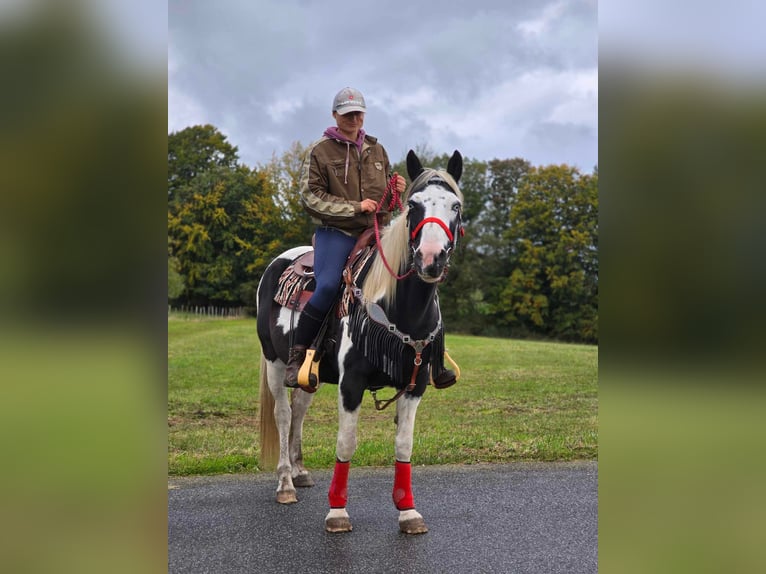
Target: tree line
(527,266)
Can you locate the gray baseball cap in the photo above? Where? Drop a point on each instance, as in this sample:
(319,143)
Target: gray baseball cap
(348,100)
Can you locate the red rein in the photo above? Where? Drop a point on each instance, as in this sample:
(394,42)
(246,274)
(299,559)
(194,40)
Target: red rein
(395,201)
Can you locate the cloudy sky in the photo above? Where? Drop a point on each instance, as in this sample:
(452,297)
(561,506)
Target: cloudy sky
(492,78)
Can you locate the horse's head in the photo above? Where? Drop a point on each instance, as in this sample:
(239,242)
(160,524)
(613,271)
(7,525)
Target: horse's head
(434,215)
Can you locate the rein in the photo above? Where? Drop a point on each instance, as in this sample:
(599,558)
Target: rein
(394,202)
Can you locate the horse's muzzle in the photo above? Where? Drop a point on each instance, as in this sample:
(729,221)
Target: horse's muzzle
(431,267)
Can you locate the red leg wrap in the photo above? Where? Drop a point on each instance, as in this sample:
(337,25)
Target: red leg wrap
(338,494)
(403,486)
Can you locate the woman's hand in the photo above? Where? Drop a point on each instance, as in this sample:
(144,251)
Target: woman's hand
(369,206)
(401,183)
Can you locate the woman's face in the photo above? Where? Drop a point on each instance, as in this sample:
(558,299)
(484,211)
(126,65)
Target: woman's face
(349,124)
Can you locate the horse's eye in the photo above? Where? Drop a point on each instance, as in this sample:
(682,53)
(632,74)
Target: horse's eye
(456,206)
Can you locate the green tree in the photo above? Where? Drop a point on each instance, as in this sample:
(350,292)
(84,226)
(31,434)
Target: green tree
(493,251)
(175,280)
(284,173)
(225,221)
(504,178)
(194,150)
(528,263)
(224,233)
(553,235)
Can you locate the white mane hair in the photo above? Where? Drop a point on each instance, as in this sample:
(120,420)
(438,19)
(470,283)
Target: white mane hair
(394,242)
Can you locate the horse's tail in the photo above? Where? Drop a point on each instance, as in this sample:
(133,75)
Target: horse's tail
(268,425)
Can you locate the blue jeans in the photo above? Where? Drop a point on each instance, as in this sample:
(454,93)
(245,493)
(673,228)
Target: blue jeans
(331,249)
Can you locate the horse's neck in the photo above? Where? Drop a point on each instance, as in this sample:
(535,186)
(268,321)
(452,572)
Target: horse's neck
(414,308)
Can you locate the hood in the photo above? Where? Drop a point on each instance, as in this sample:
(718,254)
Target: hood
(334,133)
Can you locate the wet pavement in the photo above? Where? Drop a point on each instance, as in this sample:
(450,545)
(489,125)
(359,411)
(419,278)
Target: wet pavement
(517,517)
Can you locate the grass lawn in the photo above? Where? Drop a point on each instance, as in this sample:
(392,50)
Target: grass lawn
(516,400)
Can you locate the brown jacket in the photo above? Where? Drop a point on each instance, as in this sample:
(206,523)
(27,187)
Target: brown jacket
(335,179)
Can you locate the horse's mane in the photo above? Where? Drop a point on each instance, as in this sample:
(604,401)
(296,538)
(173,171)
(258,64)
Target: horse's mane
(394,241)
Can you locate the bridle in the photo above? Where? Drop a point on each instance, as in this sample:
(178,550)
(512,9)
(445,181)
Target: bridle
(395,200)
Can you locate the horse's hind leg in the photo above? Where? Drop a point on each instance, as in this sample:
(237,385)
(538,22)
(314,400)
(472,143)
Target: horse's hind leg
(410,520)
(282,416)
(301,401)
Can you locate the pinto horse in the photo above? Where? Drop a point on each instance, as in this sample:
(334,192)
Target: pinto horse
(387,339)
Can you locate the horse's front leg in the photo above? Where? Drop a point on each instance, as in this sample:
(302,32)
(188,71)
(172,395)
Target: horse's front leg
(410,520)
(300,405)
(282,417)
(337,520)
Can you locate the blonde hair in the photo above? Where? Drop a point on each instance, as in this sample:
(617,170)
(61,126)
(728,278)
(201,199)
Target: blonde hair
(395,241)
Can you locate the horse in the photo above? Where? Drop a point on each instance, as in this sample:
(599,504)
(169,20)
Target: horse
(393,328)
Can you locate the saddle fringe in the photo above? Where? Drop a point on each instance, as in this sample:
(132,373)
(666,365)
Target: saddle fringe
(291,288)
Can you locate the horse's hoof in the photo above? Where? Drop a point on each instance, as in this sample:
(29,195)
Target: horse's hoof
(303,480)
(286,497)
(337,521)
(414,526)
(338,525)
(411,522)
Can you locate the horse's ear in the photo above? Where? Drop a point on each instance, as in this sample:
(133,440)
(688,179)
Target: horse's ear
(414,167)
(455,166)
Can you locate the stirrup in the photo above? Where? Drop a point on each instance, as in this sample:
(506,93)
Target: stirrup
(308,375)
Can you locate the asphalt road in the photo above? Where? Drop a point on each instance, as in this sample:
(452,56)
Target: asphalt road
(521,517)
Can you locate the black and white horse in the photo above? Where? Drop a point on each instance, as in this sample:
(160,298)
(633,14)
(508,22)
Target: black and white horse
(387,340)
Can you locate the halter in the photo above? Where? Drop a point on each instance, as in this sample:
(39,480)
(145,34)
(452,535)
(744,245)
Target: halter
(396,201)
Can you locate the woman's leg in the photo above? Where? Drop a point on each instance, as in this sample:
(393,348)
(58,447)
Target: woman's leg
(330,253)
(331,249)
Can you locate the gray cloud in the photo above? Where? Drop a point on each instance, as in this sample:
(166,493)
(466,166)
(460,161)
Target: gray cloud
(493,79)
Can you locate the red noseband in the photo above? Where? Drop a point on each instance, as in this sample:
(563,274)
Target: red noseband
(433,220)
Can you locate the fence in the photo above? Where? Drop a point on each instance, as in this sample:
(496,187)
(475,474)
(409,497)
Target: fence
(210,311)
